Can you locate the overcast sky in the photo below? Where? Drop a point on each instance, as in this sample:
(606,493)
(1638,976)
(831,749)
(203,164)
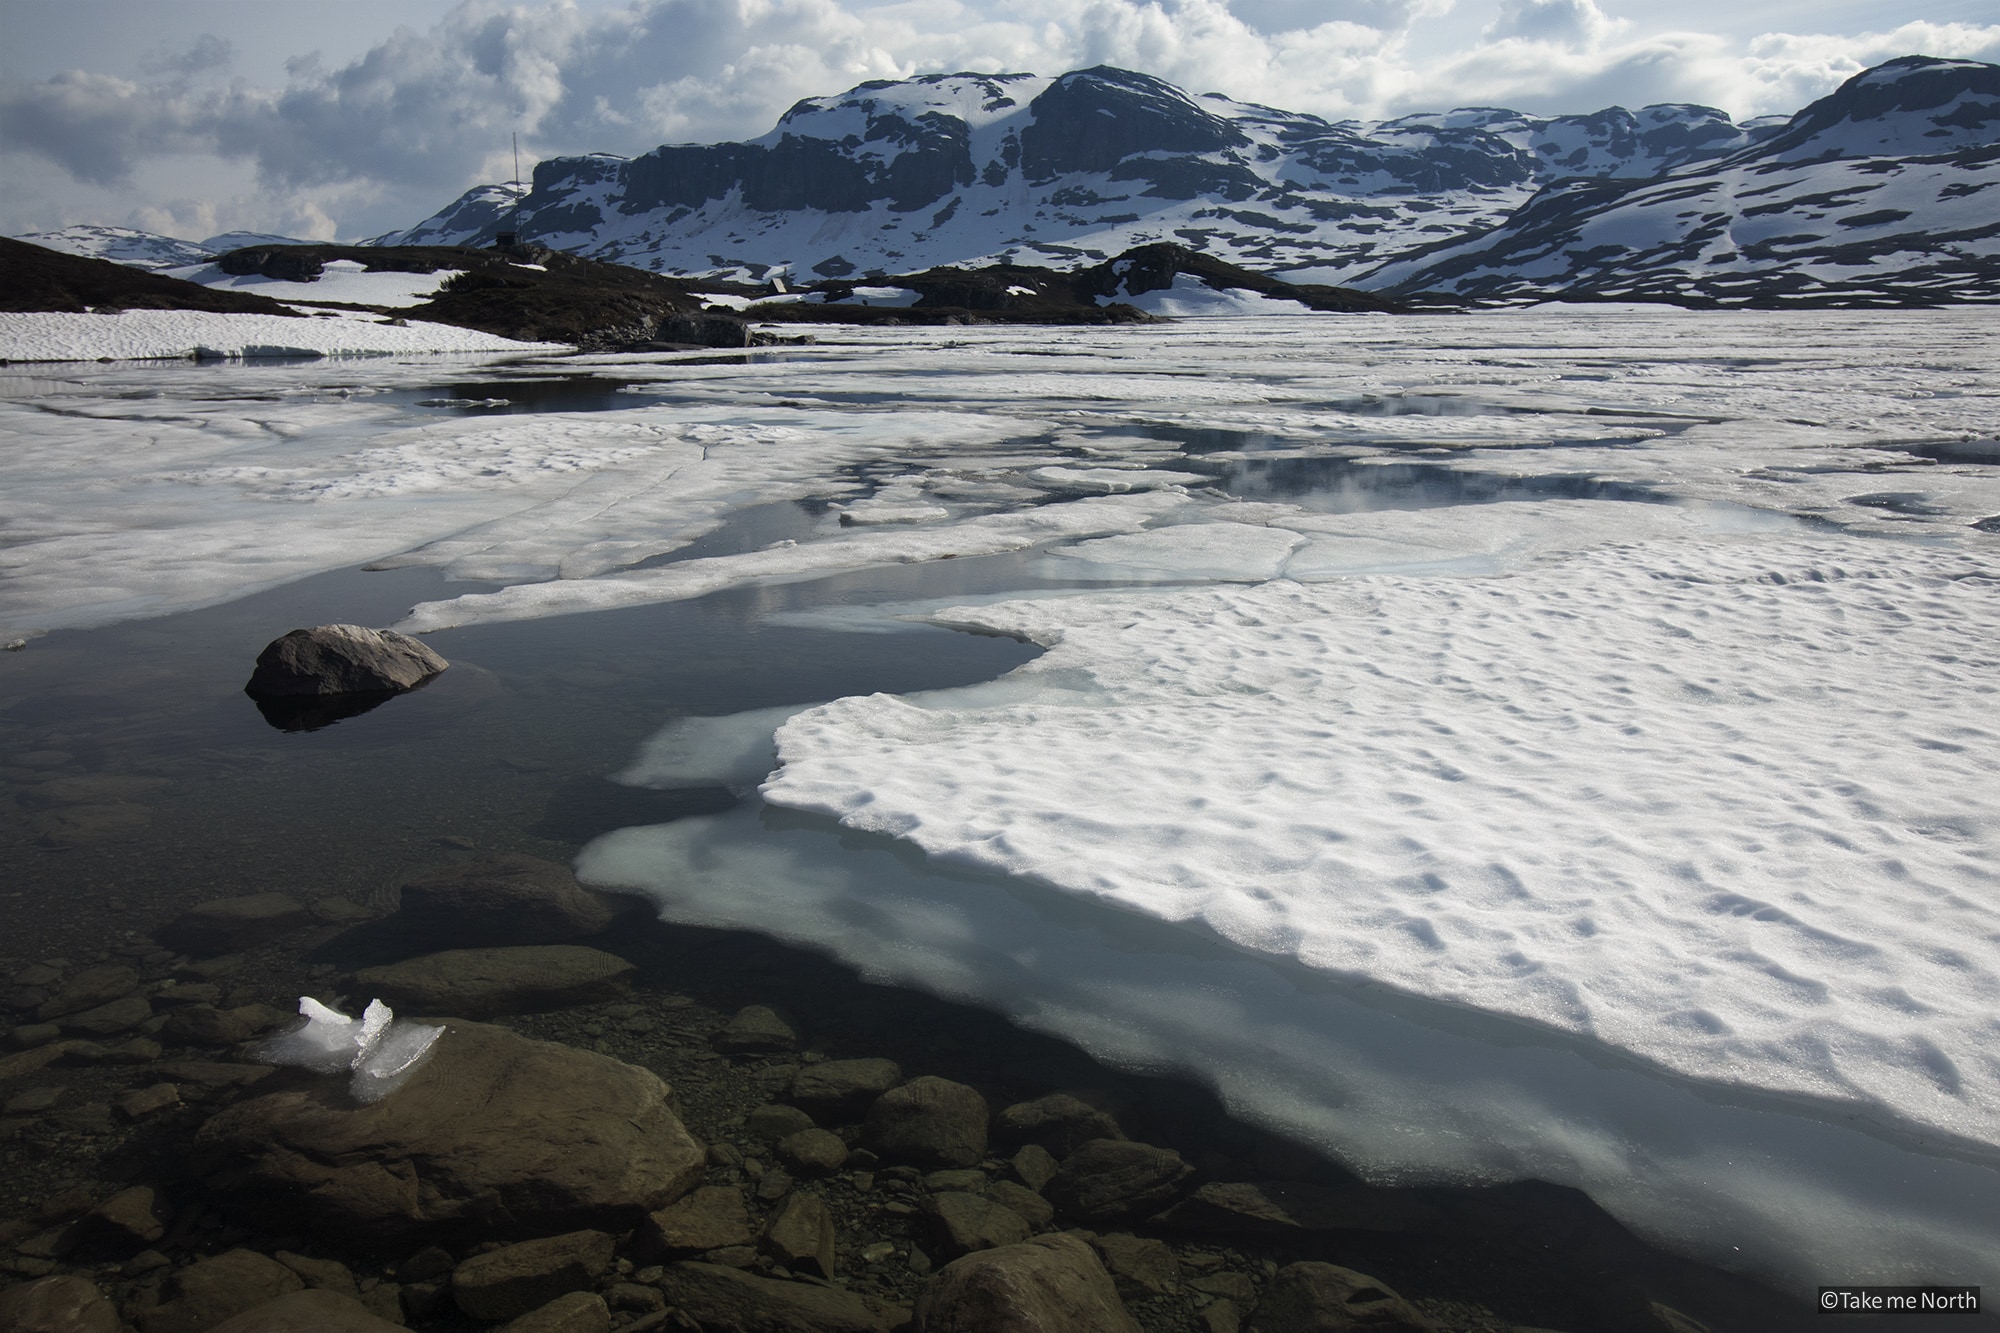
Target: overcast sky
(323,121)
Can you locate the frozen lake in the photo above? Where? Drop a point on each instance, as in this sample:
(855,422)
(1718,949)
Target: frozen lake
(1555,744)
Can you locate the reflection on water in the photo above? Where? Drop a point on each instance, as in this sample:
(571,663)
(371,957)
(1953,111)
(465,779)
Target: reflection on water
(1348,485)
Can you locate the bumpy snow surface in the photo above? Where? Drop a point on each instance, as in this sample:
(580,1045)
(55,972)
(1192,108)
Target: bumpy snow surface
(135,335)
(1553,744)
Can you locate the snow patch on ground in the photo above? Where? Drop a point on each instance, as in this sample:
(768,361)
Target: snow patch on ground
(342,280)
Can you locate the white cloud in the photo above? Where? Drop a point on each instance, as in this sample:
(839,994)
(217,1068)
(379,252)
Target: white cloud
(383,138)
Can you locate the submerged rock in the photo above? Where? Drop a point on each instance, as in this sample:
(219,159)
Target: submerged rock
(497,1135)
(480,983)
(500,900)
(57,1305)
(315,1311)
(510,1282)
(928,1122)
(227,925)
(1313,1297)
(723,1298)
(1051,1284)
(209,1291)
(1108,1180)
(341,659)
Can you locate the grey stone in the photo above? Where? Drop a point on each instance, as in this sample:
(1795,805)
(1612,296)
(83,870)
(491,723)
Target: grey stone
(1109,1180)
(228,924)
(578,1312)
(1059,1122)
(713,1217)
(341,659)
(209,1291)
(134,1214)
(120,1015)
(1223,1316)
(1140,1266)
(501,900)
(509,1282)
(962,1223)
(1237,1287)
(928,1122)
(1037,1211)
(206,1025)
(1314,1297)
(496,1134)
(812,1152)
(755,1028)
(1051,1284)
(773,1121)
(321,1274)
(65,1304)
(840,1091)
(1034,1166)
(88,989)
(800,1235)
(138,1103)
(725,1300)
(482,983)
(34,1101)
(314,1311)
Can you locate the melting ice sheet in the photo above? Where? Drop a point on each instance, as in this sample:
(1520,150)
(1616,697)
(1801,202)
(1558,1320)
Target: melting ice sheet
(1685,841)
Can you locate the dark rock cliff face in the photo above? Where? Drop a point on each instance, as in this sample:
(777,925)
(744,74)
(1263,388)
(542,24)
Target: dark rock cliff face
(1096,118)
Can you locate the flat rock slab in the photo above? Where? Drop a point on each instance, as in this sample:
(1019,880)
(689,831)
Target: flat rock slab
(578,1312)
(209,1291)
(725,1300)
(480,983)
(714,1217)
(1051,1284)
(229,924)
(512,1281)
(501,900)
(497,1135)
(57,1305)
(308,1312)
(341,659)
(1313,1297)
(840,1091)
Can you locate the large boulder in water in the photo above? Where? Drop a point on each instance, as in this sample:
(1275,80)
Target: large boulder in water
(497,1135)
(341,659)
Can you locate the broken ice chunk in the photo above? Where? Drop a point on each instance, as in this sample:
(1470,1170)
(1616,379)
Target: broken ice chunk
(325,1043)
(381,1052)
(390,1061)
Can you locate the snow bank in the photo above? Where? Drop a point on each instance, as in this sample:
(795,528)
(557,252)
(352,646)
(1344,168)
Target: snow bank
(161,334)
(342,280)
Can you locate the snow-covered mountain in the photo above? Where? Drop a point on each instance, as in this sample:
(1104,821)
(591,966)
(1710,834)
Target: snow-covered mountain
(970,168)
(122,245)
(145,249)
(475,218)
(1887,188)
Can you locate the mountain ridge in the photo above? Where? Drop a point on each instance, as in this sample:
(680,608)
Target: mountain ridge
(1874,194)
